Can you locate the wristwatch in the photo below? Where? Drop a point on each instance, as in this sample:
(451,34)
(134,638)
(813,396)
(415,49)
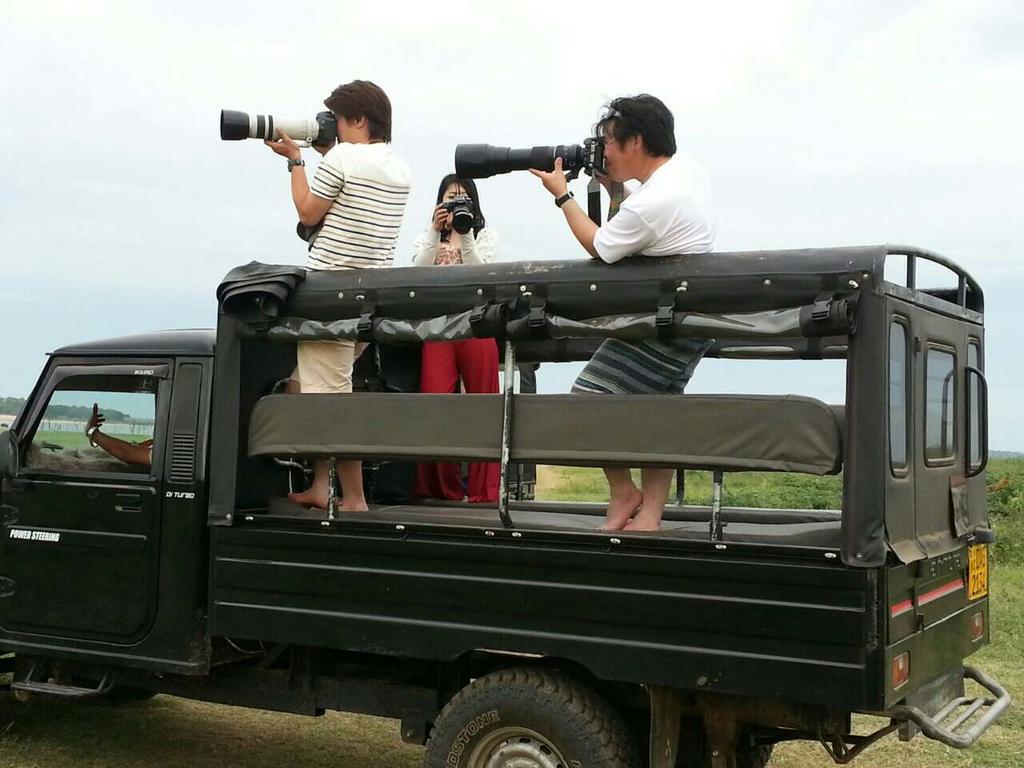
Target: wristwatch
(293,163)
(560,201)
(89,433)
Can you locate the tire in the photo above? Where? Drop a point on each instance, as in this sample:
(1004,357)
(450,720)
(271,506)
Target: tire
(529,718)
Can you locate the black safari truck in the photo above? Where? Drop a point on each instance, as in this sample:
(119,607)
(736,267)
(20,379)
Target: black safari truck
(521,635)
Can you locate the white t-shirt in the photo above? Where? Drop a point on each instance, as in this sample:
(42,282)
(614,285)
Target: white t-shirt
(369,185)
(669,213)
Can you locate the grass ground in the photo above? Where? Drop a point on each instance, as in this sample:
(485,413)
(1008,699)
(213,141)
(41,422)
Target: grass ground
(71,440)
(742,489)
(175,733)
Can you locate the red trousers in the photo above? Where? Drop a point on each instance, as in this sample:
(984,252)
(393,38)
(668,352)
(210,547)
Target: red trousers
(476,360)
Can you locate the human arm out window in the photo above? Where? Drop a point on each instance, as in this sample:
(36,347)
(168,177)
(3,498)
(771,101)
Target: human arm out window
(122,441)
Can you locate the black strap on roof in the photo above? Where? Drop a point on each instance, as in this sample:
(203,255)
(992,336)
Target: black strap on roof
(258,291)
(665,315)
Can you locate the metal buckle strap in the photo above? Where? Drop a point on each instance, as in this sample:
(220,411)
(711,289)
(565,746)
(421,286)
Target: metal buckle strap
(537,320)
(822,307)
(478,313)
(364,328)
(665,316)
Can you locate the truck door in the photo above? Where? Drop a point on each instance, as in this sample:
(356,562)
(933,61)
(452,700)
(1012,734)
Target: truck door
(79,556)
(940,463)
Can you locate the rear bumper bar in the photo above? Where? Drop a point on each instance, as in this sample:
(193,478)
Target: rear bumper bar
(945,724)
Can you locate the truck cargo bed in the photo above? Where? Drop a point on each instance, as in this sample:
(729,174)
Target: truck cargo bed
(745,619)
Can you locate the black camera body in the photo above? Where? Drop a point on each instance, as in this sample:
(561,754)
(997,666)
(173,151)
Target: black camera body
(479,161)
(463,213)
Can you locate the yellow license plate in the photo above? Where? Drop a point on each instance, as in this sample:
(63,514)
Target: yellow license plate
(977,571)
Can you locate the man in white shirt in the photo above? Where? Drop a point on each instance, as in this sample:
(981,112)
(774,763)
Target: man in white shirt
(356,200)
(669,213)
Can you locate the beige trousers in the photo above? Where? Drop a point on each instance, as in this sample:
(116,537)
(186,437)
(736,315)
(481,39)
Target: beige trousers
(326,366)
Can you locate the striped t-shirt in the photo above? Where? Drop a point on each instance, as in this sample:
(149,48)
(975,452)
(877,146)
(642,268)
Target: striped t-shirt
(369,185)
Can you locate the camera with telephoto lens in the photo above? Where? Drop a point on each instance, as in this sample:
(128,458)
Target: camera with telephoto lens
(478,161)
(321,131)
(461,209)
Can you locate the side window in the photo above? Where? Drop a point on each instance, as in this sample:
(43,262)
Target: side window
(974,403)
(127,408)
(898,396)
(940,406)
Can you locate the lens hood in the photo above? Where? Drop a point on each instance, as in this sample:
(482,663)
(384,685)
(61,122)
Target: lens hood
(234,125)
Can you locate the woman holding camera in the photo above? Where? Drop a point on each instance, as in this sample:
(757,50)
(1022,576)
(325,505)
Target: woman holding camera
(475,361)
(441,245)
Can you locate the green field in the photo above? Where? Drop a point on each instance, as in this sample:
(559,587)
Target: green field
(171,733)
(72,440)
(742,489)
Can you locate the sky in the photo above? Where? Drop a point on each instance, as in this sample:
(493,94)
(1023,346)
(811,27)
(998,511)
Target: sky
(820,123)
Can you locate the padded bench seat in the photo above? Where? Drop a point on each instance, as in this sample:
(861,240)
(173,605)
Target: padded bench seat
(727,432)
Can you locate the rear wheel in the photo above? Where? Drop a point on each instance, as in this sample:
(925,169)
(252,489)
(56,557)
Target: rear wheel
(529,718)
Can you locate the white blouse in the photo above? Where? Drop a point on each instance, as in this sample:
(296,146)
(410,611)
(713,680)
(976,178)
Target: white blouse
(460,249)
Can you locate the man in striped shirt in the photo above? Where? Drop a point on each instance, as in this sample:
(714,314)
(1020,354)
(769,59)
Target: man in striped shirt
(355,205)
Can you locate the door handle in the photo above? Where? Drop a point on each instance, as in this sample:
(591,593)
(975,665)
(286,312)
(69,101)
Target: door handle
(127,502)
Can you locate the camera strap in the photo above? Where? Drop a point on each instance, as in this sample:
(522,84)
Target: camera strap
(594,200)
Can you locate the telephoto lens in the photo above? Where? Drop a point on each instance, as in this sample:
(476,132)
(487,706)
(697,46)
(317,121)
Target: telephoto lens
(234,126)
(322,130)
(479,161)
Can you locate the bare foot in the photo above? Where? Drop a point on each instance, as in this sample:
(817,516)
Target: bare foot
(621,509)
(642,523)
(353,507)
(310,498)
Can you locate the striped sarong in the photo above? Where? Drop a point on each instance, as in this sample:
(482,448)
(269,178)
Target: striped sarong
(641,368)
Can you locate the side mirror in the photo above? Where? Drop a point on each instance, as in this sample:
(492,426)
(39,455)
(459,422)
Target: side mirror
(9,459)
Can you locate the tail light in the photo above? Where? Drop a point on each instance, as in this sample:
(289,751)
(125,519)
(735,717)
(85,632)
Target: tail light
(900,670)
(976,626)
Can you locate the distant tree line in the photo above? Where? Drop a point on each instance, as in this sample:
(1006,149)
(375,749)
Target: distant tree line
(12,405)
(82,413)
